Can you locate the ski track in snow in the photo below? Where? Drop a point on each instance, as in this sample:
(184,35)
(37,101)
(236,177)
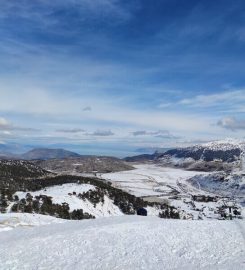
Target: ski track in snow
(128,242)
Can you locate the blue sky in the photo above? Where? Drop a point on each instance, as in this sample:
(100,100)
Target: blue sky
(117,74)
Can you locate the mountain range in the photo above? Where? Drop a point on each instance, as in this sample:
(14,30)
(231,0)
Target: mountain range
(216,155)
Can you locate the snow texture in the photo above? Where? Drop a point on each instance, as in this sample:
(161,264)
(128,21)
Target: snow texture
(150,180)
(10,221)
(174,186)
(64,194)
(128,242)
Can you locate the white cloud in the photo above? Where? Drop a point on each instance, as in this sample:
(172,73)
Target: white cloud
(3,123)
(72,130)
(164,134)
(101,133)
(6,127)
(230,98)
(49,104)
(231,123)
(165,105)
(41,11)
(87,109)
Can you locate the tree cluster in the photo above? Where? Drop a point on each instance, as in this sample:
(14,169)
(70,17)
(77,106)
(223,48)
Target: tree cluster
(43,205)
(169,212)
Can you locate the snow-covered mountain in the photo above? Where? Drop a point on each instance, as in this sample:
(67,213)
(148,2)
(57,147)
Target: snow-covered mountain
(216,155)
(84,198)
(230,184)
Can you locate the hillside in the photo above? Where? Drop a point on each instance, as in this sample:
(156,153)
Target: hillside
(19,169)
(225,184)
(141,158)
(85,164)
(46,153)
(218,155)
(74,197)
(127,242)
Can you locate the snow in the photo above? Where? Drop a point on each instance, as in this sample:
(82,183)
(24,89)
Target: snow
(128,242)
(64,194)
(10,221)
(151,180)
(233,184)
(226,144)
(172,186)
(59,193)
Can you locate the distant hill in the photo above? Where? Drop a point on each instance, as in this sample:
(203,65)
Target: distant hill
(46,153)
(151,150)
(7,156)
(5,151)
(148,154)
(84,164)
(18,169)
(12,149)
(141,158)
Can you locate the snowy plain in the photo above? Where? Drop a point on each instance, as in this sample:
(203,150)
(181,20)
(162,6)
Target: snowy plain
(127,242)
(171,185)
(151,180)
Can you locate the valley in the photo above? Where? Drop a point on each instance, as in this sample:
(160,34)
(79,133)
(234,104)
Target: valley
(178,187)
(88,205)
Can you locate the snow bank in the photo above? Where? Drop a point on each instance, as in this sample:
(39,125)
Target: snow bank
(10,221)
(127,242)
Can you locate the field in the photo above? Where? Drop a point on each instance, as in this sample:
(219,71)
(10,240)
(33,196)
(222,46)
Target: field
(153,180)
(170,185)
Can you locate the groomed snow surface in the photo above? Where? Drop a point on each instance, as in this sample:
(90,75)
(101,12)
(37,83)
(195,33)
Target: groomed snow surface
(127,242)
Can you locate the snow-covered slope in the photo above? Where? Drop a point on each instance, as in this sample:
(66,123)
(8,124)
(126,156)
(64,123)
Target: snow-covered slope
(227,144)
(9,221)
(127,242)
(216,155)
(231,185)
(68,193)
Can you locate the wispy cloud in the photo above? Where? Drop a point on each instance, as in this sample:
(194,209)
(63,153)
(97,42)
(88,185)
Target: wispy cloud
(6,127)
(43,11)
(232,98)
(73,130)
(164,134)
(3,122)
(231,123)
(106,65)
(101,133)
(87,109)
